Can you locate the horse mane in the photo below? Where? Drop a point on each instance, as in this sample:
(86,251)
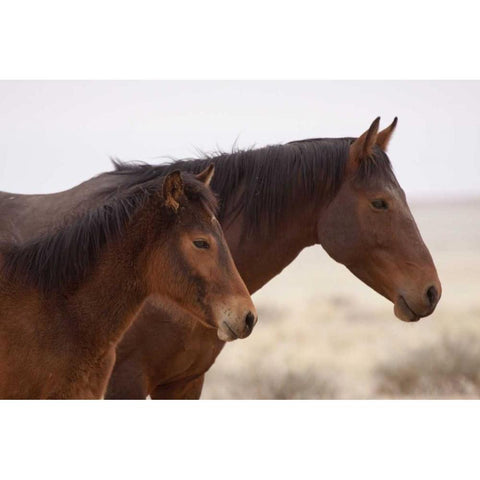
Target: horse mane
(264,183)
(61,259)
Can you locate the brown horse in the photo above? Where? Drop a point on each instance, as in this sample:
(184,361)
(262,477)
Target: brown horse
(275,201)
(67,297)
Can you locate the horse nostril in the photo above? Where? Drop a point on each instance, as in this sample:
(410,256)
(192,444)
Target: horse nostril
(432,295)
(250,320)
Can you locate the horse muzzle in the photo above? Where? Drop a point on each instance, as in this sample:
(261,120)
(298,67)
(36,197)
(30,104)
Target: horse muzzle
(230,330)
(410,309)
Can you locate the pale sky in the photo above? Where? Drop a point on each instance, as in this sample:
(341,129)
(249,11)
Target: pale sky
(56,134)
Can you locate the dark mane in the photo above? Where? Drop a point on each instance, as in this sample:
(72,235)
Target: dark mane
(62,259)
(263,183)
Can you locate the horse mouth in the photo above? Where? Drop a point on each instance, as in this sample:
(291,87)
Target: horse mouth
(404,312)
(227,334)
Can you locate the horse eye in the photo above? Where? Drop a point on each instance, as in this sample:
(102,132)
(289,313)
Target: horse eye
(201,244)
(380,204)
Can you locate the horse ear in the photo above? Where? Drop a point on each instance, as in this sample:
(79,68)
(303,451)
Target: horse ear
(384,136)
(205,176)
(362,147)
(173,189)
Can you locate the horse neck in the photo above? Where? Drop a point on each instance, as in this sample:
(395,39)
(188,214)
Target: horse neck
(259,258)
(109,300)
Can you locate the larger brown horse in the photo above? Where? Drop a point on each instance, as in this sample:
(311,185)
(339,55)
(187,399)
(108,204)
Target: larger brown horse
(275,201)
(67,297)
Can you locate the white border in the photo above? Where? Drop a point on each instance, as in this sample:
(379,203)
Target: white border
(371,39)
(240,439)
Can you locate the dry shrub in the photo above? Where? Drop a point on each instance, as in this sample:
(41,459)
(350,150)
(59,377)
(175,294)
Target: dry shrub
(449,368)
(289,385)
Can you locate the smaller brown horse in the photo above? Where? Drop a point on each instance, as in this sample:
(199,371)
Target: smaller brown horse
(67,297)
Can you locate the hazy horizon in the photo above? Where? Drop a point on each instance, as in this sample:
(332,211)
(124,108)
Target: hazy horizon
(56,134)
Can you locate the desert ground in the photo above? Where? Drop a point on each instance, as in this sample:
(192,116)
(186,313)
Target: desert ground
(323,334)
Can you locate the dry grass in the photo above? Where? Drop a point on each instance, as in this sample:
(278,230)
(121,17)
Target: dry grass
(448,369)
(287,385)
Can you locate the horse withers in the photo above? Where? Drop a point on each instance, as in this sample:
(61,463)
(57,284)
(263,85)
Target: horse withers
(67,297)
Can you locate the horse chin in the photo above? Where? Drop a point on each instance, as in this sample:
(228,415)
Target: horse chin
(404,312)
(225,333)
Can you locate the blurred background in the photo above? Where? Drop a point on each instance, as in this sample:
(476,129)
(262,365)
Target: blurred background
(322,333)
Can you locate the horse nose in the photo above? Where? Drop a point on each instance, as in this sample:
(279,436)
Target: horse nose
(250,321)
(432,296)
